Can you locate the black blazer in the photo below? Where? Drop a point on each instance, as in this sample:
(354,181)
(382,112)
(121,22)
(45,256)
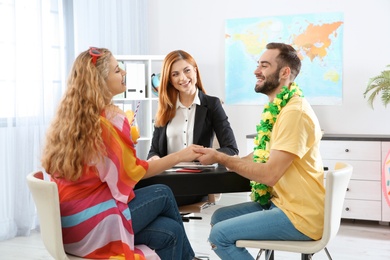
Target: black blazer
(210,118)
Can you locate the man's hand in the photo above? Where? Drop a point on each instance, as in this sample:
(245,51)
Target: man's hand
(208,155)
(189,154)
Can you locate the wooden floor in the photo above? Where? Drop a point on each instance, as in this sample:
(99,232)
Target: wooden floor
(355,240)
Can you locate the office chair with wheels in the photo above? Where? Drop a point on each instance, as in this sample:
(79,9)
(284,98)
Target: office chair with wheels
(198,207)
(45,195)
(336,186)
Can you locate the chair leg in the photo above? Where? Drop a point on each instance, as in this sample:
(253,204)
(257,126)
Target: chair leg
(327,253)
(259,254)
(269,254)
(186,218)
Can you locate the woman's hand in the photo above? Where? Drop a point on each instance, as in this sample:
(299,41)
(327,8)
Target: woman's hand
(158,166)
(188,154)
(207,155)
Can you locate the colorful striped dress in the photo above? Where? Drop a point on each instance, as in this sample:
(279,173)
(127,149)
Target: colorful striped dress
(96,221)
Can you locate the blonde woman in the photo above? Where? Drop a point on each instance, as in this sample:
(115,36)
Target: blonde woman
(90,155)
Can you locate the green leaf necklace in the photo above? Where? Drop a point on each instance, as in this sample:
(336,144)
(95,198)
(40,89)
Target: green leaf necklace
(261,193)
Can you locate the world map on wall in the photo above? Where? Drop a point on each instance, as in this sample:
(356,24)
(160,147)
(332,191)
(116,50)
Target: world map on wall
(318,39)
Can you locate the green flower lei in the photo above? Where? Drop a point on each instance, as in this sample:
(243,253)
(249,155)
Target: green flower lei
(260,192)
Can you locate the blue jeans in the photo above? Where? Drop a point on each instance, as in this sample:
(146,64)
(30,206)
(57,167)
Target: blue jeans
(248,221)
(157,223)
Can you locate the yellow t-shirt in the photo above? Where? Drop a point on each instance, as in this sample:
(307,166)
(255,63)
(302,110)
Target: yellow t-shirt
(300,191)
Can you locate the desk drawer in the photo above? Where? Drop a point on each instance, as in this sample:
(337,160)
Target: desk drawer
(351,150)
(359,209)
(362,170)
(364,190)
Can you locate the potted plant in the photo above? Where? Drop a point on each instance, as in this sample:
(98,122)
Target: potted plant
(379,85)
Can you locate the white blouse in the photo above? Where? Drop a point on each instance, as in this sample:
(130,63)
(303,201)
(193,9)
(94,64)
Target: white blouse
(180,130)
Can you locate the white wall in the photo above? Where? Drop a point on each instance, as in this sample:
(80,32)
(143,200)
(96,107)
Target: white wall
(197,26)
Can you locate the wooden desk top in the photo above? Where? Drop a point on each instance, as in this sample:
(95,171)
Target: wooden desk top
(218,180)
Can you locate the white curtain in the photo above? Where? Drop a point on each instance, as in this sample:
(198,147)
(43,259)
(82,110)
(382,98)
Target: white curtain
(120,26)
(39,40)
(31,76)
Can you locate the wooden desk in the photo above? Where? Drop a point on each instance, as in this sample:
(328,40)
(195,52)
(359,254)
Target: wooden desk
(218,180)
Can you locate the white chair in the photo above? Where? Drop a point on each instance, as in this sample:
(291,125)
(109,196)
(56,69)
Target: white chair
(45,195)
(336,185)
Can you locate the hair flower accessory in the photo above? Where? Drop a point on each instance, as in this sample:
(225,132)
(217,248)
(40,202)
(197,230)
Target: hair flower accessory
(260,192)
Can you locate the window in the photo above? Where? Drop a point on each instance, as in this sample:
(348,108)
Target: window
(31,71)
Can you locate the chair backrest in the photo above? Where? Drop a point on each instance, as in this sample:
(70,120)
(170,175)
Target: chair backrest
(45,195)
(336,186)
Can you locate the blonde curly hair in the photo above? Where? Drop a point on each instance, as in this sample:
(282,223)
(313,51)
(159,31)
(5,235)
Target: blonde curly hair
(74,138)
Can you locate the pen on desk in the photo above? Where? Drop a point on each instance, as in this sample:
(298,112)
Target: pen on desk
(188,170)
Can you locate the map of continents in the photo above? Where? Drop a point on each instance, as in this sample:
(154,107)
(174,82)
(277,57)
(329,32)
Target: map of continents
(316,37)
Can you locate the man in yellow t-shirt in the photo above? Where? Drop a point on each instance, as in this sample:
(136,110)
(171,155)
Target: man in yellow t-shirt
(293,167)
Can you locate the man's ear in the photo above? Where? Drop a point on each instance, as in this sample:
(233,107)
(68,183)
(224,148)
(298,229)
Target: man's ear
(285,73)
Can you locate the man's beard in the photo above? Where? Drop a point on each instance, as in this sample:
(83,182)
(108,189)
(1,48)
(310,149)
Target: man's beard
(271,83)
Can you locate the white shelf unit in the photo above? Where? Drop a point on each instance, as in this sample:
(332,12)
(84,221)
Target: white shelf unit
(152,64)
